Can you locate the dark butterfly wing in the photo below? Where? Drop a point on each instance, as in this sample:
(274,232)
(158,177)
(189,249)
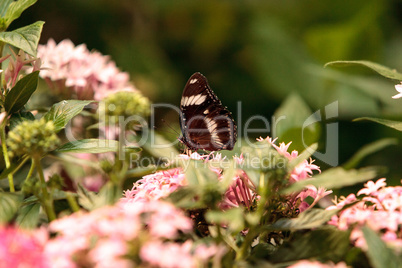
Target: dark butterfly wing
(205,123)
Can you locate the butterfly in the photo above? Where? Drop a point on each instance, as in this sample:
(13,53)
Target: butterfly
(205,123)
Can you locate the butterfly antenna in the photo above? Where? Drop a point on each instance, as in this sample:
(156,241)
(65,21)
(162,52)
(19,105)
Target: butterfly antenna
(169,126)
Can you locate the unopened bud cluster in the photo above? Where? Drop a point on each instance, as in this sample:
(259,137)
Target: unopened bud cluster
(33,138)
(124,104)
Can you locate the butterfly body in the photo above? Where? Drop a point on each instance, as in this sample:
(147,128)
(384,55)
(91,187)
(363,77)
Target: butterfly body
(205,123)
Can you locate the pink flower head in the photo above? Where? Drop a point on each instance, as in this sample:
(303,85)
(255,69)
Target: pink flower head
(380,209)
(74,70)
(303,170)
(241,192)
(205,252)
(165,220)
(156,186)
(110,253)
(343,201)
(313,192)
(371,187)
(168,255)
(103,236)
(19,248)
(317,264)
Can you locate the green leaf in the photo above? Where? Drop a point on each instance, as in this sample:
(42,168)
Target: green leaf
(9,204)
(389,123)
(262,159)
(367,150)
(336,178)
(325,244)
(28,216)
(232,218)
(62,112)
(25,38)
(4,5)
(382,70)
(16,8)
(185,197)
(21,92)
(378,253)
(85,198)
(15,165)
(293,118)
(228,175)
(89,146)
(18,118)
(107,195)
(198,173)
(312,218)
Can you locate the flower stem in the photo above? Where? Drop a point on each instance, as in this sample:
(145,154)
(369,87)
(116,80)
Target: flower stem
(31,170)
(47,201)
(5,155)
(72,202)
(121,165)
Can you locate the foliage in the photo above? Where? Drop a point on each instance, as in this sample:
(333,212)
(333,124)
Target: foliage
(84,182)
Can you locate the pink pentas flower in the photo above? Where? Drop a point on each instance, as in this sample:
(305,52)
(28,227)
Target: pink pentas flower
(20,248)
(74,70)
(371,187)
(175,255)
(313,192)
(167,220)
(103,237)
(317,264)
(203,253)
(240,192)
(168,255)
(110,253)
(157,185)
(380,208)
(342,201)
(303,170)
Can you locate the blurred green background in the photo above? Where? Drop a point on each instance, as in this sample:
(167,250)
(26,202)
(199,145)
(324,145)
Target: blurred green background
(255,52)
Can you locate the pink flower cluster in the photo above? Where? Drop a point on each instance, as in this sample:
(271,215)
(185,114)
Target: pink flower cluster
(175,255)
(317,264)
(128,234)
(74,70)
(380,208)
(108,236)
(19,248)
(156,186)
(241,192)
(301,172)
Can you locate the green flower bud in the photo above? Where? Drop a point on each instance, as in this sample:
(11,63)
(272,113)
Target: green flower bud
(124,104)
(33,138)
(31,186)
(55,182)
